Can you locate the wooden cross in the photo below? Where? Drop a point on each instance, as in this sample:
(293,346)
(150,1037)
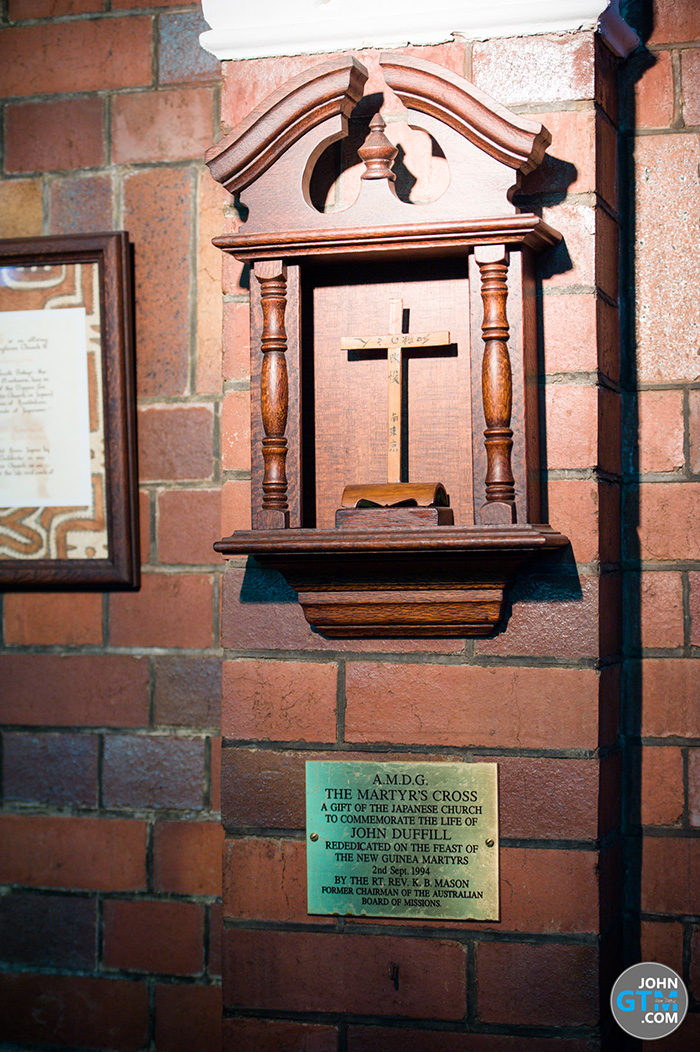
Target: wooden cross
(395,342)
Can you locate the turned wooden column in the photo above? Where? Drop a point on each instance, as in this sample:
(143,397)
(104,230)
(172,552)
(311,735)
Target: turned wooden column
(497,385)
(274,392)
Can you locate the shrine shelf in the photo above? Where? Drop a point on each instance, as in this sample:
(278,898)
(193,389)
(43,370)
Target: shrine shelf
(392,344)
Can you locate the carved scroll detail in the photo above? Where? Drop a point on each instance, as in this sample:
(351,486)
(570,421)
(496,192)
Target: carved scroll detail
(274,389)
(304,102)
(510,138)
(497,385)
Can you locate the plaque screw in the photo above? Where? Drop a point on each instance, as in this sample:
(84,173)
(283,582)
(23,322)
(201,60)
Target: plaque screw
(489,842)
(314,837)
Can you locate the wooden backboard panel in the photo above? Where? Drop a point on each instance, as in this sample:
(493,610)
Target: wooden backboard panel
(350,387)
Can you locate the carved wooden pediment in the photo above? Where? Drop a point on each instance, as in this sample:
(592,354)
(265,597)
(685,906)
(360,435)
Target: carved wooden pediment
(269,159)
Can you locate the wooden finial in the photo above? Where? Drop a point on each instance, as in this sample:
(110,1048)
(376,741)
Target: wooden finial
(377,152)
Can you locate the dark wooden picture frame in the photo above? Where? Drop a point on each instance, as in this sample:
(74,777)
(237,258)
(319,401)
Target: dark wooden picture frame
(55,547)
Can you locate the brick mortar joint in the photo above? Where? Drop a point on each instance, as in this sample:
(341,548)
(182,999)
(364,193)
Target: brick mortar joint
(370,749)
(647,133)
(681,45)
(165,731)
(107,816)
(39,97)
(179,486)
(356,928)
(97,650)
(95,16)
(426,657)
(590,378)
(195,400)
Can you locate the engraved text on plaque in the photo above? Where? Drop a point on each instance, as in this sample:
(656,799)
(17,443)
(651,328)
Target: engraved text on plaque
(402,839)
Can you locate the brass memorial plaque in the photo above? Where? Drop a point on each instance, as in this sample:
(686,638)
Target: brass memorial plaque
(402,839)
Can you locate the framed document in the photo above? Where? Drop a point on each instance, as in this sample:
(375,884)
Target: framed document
(68,469)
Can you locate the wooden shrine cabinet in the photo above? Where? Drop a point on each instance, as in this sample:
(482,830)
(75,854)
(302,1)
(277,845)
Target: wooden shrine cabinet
(395,432)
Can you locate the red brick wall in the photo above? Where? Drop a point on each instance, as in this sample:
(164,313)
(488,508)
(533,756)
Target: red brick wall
(110,846)
(662,690)
(541,698)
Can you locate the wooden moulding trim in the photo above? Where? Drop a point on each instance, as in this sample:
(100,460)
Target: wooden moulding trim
(432,89)
(524,229)
(426,539)
(324,91)
(381,583)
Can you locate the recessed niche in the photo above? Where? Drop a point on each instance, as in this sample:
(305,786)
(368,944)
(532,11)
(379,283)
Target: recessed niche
(393,347)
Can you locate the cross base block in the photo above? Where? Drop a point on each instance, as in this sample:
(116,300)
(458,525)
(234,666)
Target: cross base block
(366,518)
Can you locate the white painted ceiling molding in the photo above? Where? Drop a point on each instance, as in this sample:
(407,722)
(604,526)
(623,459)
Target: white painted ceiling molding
(264,28)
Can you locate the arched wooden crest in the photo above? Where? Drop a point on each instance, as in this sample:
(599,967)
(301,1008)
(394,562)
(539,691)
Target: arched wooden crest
(269,158)
(505,136)
(409,570)
(324,92)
